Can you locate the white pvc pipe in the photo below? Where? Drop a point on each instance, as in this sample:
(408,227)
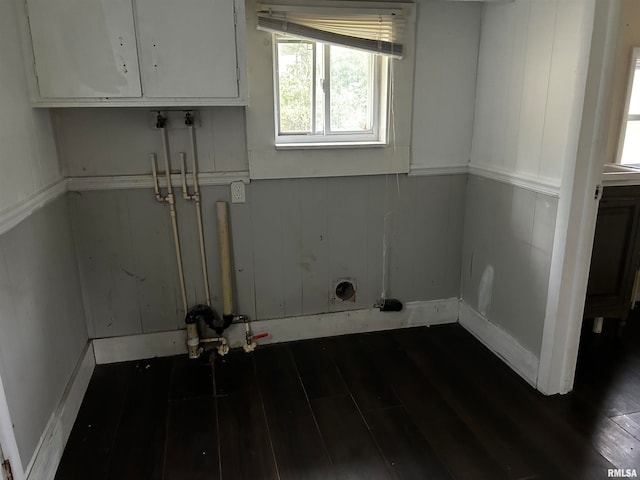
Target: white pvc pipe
(193,341)
(192,138)
(183,177)
(174,220)
(165,152)
(223,348)
(196,196)
(249,344)
(154,169)
(203,255)
(214,340)
(225,271)
(225,258)
(176,241)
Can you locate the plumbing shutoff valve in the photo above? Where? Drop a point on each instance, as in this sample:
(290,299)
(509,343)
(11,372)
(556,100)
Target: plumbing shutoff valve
(249,347)
(207,315)
(250,339)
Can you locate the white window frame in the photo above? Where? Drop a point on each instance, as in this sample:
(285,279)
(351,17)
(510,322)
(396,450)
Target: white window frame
(376,136)
(626,118)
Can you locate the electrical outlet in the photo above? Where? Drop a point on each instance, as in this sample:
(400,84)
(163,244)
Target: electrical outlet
(237,192)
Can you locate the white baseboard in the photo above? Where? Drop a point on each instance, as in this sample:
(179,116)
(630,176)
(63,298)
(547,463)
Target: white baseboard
(521,360)
(47,456)
(137,347)
(414,314)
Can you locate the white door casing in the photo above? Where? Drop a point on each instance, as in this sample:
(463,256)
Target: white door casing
(577,209)
(8,445)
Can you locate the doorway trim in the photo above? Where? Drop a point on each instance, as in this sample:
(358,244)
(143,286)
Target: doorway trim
(578,206)
(8,444)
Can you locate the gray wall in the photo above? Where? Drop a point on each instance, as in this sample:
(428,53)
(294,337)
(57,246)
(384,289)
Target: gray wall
(529,93)
(41,319)
(291,240)
(27,151)
(528,111)
(42,325)
(508,240)
(448,37)
(117,141)
(293,237)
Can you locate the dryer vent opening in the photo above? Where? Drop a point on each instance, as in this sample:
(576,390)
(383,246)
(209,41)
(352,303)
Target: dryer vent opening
(345,292)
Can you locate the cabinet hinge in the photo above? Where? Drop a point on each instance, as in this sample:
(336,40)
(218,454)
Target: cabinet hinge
(6,470)
(598,194)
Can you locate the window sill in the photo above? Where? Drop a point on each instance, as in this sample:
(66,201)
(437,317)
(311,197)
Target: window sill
(329,145)
(325,161)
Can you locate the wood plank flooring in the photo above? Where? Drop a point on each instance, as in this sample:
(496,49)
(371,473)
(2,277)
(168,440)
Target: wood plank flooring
(421,403)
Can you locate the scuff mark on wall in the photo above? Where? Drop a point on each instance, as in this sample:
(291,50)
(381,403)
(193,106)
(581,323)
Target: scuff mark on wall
(485,289)
(140,279)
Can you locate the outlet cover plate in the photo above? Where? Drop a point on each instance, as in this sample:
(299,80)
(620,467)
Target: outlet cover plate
(237,192)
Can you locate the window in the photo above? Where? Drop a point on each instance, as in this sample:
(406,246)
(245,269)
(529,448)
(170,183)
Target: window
(629,144)
(331,71)
(301,108)
(328,94)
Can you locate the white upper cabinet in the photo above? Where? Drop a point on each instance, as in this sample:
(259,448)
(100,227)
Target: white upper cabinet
(137,52)
(84,48)
(185,49)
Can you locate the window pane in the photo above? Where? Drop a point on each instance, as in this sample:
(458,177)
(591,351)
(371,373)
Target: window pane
(634,102)
(295,81)
(631,149)
(350,90)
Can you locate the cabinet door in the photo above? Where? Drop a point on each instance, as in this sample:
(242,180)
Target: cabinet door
(187,48)
(84,48)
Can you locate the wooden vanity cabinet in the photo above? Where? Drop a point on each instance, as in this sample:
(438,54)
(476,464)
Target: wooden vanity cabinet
(616,253)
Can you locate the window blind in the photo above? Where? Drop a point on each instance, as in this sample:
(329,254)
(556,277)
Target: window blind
(377,30)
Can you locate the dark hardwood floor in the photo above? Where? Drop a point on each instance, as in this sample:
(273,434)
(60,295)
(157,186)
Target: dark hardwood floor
(421,403)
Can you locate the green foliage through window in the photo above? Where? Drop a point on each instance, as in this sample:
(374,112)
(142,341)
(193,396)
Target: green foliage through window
(350,90)
(324,90)
(295,71)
